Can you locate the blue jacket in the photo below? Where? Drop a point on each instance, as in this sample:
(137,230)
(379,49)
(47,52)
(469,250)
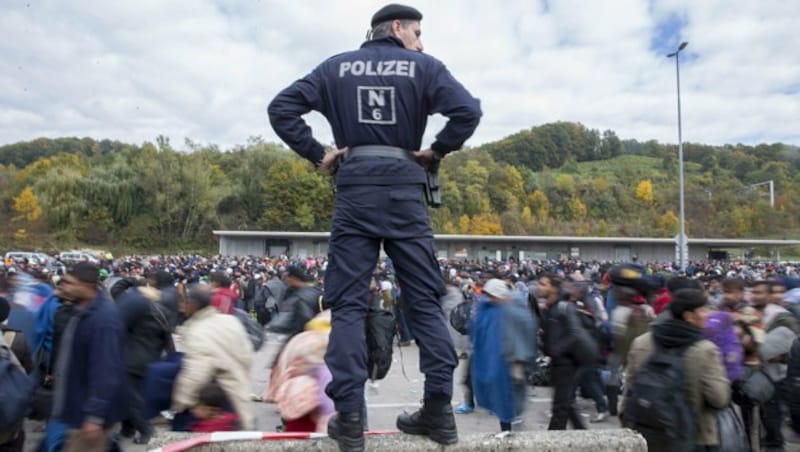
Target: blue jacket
(42,291)
(380,94)
(491,378)
(44,326)
(21,319)
(91,382)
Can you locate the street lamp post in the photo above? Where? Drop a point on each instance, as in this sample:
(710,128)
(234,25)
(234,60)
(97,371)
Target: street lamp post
(682,247)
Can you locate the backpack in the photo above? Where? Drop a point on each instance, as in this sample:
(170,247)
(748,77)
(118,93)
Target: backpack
(638,323)
(460,317)
(381,328)
(656,404)
(265,305)
(791,388)
(255,332)
(16,390)
(583,349)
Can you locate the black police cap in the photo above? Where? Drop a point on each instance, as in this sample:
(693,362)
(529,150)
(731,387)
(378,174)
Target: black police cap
(299,272)
(393,11)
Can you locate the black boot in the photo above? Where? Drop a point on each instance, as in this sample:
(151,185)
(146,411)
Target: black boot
(435,420)
(612,392)
(347,430)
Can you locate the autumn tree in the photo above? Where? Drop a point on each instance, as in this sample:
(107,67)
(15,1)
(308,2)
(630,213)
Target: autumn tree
(506,189)
(27,206)
(464,224)
(644,192)
(528,221)
(486,224)
(577,209)
(539,205)
(21,235)
(449,228)
(667,223)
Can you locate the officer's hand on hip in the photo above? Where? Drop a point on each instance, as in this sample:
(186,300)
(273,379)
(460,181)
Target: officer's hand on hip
(330,159)
(424,157)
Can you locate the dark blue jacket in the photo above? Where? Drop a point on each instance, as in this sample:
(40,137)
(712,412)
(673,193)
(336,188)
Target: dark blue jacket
(380,94)
(92,386)
(147,329)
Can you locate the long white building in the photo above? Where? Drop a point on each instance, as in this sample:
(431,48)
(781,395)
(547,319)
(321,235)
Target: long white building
(312,244)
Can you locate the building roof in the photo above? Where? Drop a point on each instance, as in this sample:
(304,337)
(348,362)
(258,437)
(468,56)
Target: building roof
(720,242)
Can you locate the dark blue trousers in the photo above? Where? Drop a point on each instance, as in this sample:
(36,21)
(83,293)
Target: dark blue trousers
(395,216)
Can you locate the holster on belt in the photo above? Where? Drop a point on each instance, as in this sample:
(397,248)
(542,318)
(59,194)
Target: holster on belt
(433,194)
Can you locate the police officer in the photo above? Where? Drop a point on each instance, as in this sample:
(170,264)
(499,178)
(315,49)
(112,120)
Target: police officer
(377,100)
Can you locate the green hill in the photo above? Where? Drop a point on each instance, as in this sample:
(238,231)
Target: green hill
(560,178)
(646,167)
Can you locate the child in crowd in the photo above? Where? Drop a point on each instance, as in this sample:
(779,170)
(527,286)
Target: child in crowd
(210,411)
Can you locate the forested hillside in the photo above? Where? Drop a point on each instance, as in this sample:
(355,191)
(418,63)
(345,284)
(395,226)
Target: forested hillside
(559,178)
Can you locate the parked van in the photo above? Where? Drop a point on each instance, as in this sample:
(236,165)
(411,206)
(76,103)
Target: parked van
(71,257)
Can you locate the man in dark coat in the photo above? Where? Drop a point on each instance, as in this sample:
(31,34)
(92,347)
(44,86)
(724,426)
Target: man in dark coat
(302,302)
(90,374)
(148,335)
(556,338)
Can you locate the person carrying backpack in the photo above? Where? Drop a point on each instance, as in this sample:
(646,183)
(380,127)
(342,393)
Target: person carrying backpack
(676,381)
(148,335)
(569,346)
(15,364)
(791,388)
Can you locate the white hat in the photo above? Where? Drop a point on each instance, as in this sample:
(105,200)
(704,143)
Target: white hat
(497,288)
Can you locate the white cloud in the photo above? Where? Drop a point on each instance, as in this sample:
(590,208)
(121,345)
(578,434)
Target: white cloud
(203,69)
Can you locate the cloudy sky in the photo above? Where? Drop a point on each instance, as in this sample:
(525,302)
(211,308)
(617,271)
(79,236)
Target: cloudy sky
(133,69)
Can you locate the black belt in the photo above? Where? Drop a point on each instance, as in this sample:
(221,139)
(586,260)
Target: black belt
(377,150)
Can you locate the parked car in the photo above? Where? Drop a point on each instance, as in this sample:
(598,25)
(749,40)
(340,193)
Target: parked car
(18,257)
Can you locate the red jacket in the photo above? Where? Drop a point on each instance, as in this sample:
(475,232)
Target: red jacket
(662,301)
(224,299)
(226,422)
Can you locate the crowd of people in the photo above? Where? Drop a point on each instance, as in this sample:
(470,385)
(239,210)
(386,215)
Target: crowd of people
(115,344)
(705,359)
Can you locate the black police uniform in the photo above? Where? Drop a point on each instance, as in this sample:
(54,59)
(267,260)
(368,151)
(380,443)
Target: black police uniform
(380,94)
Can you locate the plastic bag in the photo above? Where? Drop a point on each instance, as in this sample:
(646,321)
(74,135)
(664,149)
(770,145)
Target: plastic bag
(732,435)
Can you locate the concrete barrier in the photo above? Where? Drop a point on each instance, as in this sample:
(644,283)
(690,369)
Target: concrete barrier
(617,440)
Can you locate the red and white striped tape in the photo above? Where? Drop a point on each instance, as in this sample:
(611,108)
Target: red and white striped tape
(221,437)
